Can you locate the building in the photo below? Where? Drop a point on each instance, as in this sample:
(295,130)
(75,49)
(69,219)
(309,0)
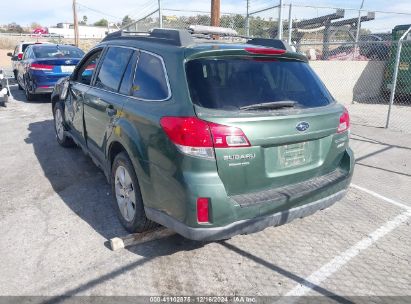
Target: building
(66,30)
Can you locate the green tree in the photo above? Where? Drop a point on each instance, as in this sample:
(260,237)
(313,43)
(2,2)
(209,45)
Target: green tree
(101,22)
(84,20)
(126,21)
(14,28)
(35,25)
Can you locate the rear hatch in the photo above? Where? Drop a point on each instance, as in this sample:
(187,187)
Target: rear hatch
(55,61)
(55,67)
(282,122)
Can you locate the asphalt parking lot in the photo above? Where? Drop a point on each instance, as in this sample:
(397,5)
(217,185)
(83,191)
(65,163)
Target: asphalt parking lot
(56,216)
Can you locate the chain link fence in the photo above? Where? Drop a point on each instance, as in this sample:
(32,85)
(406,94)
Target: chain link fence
(353,51)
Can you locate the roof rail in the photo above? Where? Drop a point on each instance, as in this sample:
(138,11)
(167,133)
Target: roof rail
(175,37)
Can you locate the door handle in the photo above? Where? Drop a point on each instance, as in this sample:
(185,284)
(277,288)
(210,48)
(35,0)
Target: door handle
(111,111)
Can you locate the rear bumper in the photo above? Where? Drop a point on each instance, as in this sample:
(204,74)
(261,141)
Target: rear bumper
(44,90)
(243,226)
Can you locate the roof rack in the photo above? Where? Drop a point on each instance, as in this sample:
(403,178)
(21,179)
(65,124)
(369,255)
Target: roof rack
(175,37)
(185,37)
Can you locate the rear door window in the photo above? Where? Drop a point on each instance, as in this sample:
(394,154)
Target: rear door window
(127,81)
(150,82)
(114,64)
(231,83)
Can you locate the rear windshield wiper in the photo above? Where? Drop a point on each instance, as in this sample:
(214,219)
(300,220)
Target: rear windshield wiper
(270,105)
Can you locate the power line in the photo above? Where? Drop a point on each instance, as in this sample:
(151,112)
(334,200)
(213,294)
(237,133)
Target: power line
(99,12)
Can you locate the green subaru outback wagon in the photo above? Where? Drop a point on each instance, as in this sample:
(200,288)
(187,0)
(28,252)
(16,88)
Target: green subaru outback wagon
(210,138)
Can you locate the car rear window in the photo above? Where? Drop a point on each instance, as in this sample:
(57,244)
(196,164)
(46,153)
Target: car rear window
(232,83)
(57,51)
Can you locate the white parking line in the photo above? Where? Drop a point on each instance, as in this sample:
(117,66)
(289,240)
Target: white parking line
(388,200)
(339,261)
(335,264)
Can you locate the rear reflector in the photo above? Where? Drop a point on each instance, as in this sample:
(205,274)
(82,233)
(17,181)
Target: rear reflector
(264,51)
(202,210)
(344,124)
(197,137)
(41,67)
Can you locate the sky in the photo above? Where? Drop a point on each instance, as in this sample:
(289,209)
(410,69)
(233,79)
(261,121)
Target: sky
(51,12)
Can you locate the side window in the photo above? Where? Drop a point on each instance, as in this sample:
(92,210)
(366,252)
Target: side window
(150,80)
(112,68)
(16,51)
(126,83)
(26,54)
(85,72)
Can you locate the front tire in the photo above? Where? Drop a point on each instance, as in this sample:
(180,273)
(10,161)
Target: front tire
(59,127)
(129,203)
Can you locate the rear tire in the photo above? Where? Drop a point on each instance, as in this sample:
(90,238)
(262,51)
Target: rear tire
(59,126)
(128,200)
(29,96)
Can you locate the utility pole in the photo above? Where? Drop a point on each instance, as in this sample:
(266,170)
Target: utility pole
(215,12)
(76,38)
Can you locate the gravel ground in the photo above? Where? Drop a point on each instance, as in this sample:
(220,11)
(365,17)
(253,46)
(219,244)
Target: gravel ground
(56,217)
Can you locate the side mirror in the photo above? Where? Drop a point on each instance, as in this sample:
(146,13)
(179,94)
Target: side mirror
(10,54)
(64,89)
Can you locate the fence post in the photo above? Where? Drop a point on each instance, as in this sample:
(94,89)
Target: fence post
(160,14)
(290,23)
(280,21)
(247,20)
(395,76)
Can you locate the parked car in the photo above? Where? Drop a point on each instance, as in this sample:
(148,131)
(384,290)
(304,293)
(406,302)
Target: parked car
(41,31)
(209,139)
(43,64)
(18,55)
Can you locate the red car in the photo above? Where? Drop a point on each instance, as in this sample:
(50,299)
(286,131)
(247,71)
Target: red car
(41,31)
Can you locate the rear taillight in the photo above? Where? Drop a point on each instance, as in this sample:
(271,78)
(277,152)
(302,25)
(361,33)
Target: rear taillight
(41,67)
(20,56)
(344,124)
(202,210)
(227,137)
(91,67)
(198,138)
(264,51)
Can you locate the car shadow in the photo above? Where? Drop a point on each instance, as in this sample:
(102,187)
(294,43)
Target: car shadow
(18,95)
(84,188)
(75,178)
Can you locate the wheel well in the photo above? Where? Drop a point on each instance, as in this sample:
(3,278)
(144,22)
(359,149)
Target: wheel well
(54,100)
(115,149)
